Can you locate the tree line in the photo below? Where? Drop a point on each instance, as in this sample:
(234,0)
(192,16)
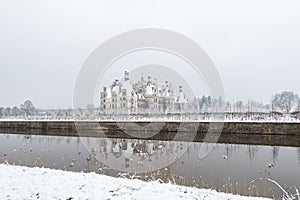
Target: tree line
(283,102)
(25,109)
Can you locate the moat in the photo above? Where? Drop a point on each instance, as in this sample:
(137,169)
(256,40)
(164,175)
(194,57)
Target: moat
(228,168)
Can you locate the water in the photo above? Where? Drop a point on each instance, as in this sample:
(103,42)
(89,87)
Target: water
(228,168)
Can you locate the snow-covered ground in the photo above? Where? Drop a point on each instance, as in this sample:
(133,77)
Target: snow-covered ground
(18,182)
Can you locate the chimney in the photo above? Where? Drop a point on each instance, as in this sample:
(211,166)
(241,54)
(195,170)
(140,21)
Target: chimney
(104,89)
(167,83)
(149,78)
(155,81)
(180,89)
(126,75)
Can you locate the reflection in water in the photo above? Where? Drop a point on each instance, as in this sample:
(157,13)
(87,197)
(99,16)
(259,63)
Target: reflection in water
(228,168)
(298,154)
(275,153)
(252,150)
(135,156)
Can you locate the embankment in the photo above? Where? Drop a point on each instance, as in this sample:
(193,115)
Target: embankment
(262,133)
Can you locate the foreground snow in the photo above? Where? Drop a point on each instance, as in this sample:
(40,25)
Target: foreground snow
(39,183)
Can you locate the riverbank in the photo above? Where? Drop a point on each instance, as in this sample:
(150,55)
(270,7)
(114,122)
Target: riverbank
(18,182)
(257,133)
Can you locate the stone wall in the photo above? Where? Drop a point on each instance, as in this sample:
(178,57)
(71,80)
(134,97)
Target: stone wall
(287,134)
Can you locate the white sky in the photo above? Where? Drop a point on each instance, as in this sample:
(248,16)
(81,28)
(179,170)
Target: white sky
(255,45)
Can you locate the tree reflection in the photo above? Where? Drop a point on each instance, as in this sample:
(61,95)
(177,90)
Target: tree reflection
(252,150)
(298,154)
(275,152)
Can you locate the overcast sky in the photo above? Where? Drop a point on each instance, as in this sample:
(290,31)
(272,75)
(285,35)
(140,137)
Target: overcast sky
(255,45)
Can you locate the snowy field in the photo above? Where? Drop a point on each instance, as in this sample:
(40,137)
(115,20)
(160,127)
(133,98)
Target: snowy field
(18,182)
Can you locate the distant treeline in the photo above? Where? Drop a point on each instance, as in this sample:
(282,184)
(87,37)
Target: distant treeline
(285,102)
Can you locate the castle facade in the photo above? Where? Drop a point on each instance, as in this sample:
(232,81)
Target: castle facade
(142,97)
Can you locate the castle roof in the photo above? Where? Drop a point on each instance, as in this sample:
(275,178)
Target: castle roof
(128,87)
(181,98)
(149,89)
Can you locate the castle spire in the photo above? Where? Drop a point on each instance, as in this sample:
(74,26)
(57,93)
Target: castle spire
(142,77)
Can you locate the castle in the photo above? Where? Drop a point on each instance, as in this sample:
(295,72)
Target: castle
(144,96)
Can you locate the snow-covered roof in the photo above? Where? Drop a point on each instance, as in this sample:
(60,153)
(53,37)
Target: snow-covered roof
(128,87)
(149,90)
(140,96)
(181,98)
(114,89)
(159,91)
(166,92)
(134,94)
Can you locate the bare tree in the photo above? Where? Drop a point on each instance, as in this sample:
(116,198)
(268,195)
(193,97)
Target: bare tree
(15,111)
(28,107)
(7,112)
(285,101)
(1,111)
(239,105)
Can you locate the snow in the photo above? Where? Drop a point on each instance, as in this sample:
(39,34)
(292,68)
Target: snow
(149,90)
(18,182)
(181,98)
(128,87)
(158,119)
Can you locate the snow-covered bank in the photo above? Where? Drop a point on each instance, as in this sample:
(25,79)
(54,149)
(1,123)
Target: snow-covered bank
(39,183)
